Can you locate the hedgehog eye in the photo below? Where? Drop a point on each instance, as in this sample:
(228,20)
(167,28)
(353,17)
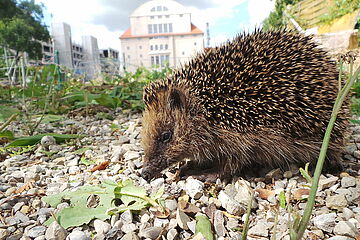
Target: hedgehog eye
(165,136)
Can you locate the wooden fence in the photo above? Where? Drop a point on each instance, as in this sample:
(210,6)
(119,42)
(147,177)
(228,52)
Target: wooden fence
(309,12)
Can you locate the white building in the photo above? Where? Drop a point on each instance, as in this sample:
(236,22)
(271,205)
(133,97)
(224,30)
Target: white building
(160,33)
(82,58)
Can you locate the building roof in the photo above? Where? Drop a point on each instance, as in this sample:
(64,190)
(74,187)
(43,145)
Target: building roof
(149,8)
(127,33)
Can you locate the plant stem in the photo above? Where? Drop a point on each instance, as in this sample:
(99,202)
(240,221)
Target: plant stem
(247,222)
(340,73)
(5,124)
(311,200)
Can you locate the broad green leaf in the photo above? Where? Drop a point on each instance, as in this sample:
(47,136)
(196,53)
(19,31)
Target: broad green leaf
(134,197)
(49,118)
(159,193)
(79,213)
(7,134)
(282,199)
(129,193)
(32,140)
(82,150)
(203,226)
(108,101)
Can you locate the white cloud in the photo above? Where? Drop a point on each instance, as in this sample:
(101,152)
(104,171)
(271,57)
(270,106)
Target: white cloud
(258,10)
(79,14)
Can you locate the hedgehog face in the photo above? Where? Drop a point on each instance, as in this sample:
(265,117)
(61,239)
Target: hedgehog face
(166,133)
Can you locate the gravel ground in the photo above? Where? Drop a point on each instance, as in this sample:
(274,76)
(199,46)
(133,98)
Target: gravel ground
(25,178)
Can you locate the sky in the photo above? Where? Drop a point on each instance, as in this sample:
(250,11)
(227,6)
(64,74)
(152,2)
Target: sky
(108,19)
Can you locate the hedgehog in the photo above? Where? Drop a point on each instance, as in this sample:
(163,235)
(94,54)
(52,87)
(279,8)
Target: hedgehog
(262,99)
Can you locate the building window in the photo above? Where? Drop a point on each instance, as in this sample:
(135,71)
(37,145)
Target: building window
(167,16)
(162,60)
(165,27)
(151,47)
(194,43)
(161,47)
(151,17)
(160,28)
(158,8)
(140,47)
(153,9)
(128,48)
(140,55)
(183,53)
(170,27)
(155,28)
(156,47)
(128,56)
(150,28)
(165,8)
(181,15)
(166,46)
(159,16)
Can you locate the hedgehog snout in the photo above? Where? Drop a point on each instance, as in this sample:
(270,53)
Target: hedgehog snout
(147,173)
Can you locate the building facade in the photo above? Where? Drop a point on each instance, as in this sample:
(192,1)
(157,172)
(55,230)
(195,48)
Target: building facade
(161,33)
(82,58)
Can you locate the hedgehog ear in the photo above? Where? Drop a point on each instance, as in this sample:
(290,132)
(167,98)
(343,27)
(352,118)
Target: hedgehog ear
(176,99)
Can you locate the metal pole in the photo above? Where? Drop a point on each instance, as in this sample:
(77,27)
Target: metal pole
(22,64)
(6,59)
(57,62)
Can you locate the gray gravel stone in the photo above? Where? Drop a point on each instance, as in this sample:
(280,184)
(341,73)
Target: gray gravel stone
(157,183)
(17,206)
(151,232)
(55,232)
(172,234)
(347,213)
(158,222)
(325,222)
(101,227)
(171,204)
(126,217)
(231,206)
(192,226)
(126,228)
(130,236)
(182,219)
(77,235)
(327,182)
(340,238)
(194,188)
(21,217)
(348,182)
(259,229)
(131,155)
(36,231)
(336,202)
(46,141)
(219,223)
(345,228)
(354,195)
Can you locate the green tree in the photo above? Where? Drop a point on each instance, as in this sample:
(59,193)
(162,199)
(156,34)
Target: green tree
(276,18)
(21,26)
